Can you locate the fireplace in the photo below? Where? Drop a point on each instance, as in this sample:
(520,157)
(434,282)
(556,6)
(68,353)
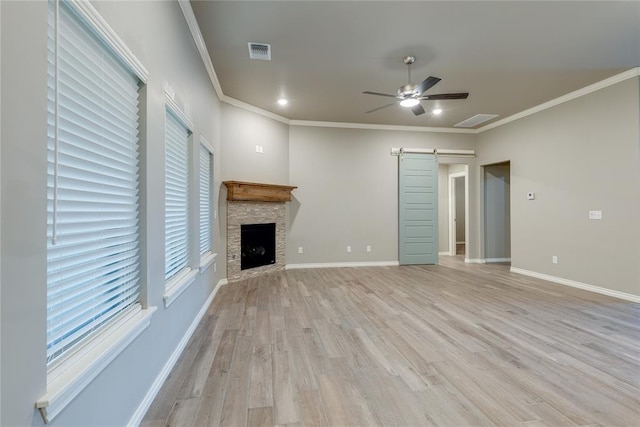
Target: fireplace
(257,245)
(262,205)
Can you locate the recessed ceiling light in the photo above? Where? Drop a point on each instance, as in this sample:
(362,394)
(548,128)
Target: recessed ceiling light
(283,101)
(409,102)
(437,111)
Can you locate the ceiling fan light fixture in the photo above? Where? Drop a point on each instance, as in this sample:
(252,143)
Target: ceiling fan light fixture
(409,102)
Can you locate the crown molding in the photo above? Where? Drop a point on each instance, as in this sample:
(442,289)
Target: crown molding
(634,72)
(190,17)
(378,127)
(254,109)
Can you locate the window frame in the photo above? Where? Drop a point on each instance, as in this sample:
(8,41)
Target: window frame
(176,284)
(77,367)
(208,257)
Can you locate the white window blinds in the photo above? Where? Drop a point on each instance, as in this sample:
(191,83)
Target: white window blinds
(206,161)
(92,198)
(176,196)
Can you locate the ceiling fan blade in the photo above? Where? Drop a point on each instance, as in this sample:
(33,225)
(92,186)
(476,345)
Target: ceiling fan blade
(463,95)
(417,110)
(427,84)
(380,94)
(380,108)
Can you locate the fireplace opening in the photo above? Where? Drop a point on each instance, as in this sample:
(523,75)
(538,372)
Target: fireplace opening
(257,245)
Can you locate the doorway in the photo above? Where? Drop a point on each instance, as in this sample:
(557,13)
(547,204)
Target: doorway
(497,212)
(458,213)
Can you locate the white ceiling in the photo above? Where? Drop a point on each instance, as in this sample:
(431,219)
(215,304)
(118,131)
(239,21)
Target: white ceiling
(509,55)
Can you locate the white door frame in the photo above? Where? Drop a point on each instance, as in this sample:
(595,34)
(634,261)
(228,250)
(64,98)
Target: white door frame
(452,210)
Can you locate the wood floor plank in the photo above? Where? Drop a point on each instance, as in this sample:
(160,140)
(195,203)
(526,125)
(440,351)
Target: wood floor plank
(210,406)
(446,345)
(260,417)
(261,378)
(284,402)
(183,412)
(234,408)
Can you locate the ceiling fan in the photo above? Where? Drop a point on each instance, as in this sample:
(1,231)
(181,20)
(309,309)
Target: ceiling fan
(410,95)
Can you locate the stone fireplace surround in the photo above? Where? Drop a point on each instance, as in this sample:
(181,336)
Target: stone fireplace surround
(252,203)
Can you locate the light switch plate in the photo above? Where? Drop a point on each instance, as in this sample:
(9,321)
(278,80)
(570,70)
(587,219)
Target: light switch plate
(595,214)
(531,195)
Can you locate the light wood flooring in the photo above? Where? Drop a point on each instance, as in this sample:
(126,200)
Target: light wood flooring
(446,345)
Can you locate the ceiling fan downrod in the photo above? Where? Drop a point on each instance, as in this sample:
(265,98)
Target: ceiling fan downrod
(408,89)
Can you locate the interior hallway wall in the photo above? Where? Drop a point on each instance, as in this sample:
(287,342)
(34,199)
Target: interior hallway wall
(578,156)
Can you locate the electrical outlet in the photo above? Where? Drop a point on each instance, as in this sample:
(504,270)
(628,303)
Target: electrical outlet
(554,259)
(348,248)
(299,249)
(368,248)
(595,214)
(257,148)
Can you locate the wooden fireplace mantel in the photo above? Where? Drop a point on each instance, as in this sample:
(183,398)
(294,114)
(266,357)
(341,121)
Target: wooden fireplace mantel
(254,192)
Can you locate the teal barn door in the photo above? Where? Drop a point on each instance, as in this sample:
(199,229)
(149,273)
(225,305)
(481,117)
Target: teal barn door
(418,209)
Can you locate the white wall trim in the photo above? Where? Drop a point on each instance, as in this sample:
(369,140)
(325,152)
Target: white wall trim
(137,416)
(343,264)
(634,72)
(580,285)
(84,366)
(91,16)
(489,260)
(173,107)
(254,109)
(190,17)
(474,261)
(378,127)
(177,285)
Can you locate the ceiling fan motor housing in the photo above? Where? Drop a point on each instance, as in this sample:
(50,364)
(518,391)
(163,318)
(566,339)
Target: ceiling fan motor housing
(407,90)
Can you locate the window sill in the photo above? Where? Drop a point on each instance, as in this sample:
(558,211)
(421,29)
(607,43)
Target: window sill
(178,285)
(206,260)
(84,366)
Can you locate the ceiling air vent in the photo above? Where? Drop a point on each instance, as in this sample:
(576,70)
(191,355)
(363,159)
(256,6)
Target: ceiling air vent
(260,51)
(475,120)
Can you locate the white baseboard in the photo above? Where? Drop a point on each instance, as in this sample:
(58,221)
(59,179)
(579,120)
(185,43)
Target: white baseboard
(580,285)
(138,415)
(489,260)
(485,260)
(343,264)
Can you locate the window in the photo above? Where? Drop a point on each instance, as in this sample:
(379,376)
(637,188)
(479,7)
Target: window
(177,201)
(206,177)
(93,256)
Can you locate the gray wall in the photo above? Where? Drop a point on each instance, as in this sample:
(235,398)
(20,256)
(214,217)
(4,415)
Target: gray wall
(348,191)
(158,35)
(242,131)
(579,156)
